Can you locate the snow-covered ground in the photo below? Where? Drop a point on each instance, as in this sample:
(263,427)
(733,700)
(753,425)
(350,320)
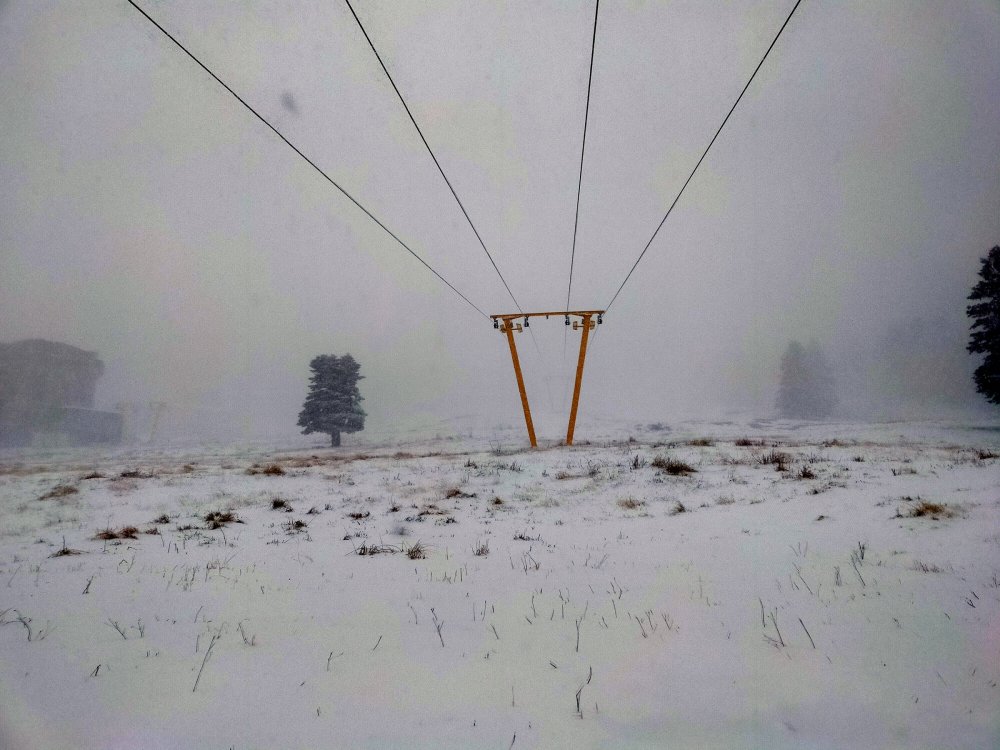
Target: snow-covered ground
(563,597)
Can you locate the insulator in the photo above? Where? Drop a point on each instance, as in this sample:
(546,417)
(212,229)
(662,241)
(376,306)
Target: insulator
(525,321)
(600,319)
(567,320)
(496,323)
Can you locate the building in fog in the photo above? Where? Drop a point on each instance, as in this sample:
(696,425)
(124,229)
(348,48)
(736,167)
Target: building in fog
(47,392)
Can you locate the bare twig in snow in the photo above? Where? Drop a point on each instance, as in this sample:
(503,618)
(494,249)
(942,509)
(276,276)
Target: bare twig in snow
(807,633)
(774,620)
(590,674)
(117,627)
(438,624)
(208,652)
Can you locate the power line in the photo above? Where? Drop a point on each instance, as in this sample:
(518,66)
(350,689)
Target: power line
(431,152)
(309,161)
(629,275)
(583,148)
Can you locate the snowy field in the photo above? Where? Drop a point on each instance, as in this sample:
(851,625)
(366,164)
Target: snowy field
(711,586)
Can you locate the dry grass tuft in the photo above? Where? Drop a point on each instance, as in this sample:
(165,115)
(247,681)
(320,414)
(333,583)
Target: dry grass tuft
(359,515)
(416,551)
(294,527)
(985,453)
(60,490)
(64,551)
(934,511)
(162,518)
(678,507)
(775,458)
(746,442)
(672,466)
(701,442)
(456,492)
(271,470)
(92,475)
(366,550)
(725,500)
(496,501)
(125,532)
(135,474)
(219,518)
(630,503)
(482,549)
(805,473)
(278,504)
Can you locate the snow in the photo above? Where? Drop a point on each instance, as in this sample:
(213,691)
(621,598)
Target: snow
(697,626)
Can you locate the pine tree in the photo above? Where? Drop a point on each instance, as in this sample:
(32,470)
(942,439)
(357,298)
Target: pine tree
(806,390)
(333,404)
(984,337)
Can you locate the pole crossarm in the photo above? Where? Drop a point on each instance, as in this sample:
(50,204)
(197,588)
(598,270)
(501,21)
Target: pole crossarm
(579,313)
(507,325)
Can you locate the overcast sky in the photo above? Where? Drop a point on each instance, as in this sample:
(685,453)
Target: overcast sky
(146,215)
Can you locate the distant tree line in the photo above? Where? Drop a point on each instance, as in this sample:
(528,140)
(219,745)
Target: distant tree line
(909,358)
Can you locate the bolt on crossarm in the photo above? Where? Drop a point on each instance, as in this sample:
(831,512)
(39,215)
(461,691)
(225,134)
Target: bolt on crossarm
(506,324)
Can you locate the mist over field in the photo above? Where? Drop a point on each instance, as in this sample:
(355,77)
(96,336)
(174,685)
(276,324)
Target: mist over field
(145,215)
(265,477)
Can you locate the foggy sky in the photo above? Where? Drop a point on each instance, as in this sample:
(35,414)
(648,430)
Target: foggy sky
(146,215)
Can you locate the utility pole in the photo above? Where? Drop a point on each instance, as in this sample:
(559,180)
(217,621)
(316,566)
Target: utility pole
(506,324)
(509,328)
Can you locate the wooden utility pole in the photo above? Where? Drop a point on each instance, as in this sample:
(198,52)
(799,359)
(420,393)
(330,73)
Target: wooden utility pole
(506,325)
(586,325)
(509,328)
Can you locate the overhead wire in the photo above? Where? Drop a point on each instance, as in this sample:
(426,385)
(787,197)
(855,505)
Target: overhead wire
(579,188)
(305,158)
(704,153)
(583,149)
(431,152)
